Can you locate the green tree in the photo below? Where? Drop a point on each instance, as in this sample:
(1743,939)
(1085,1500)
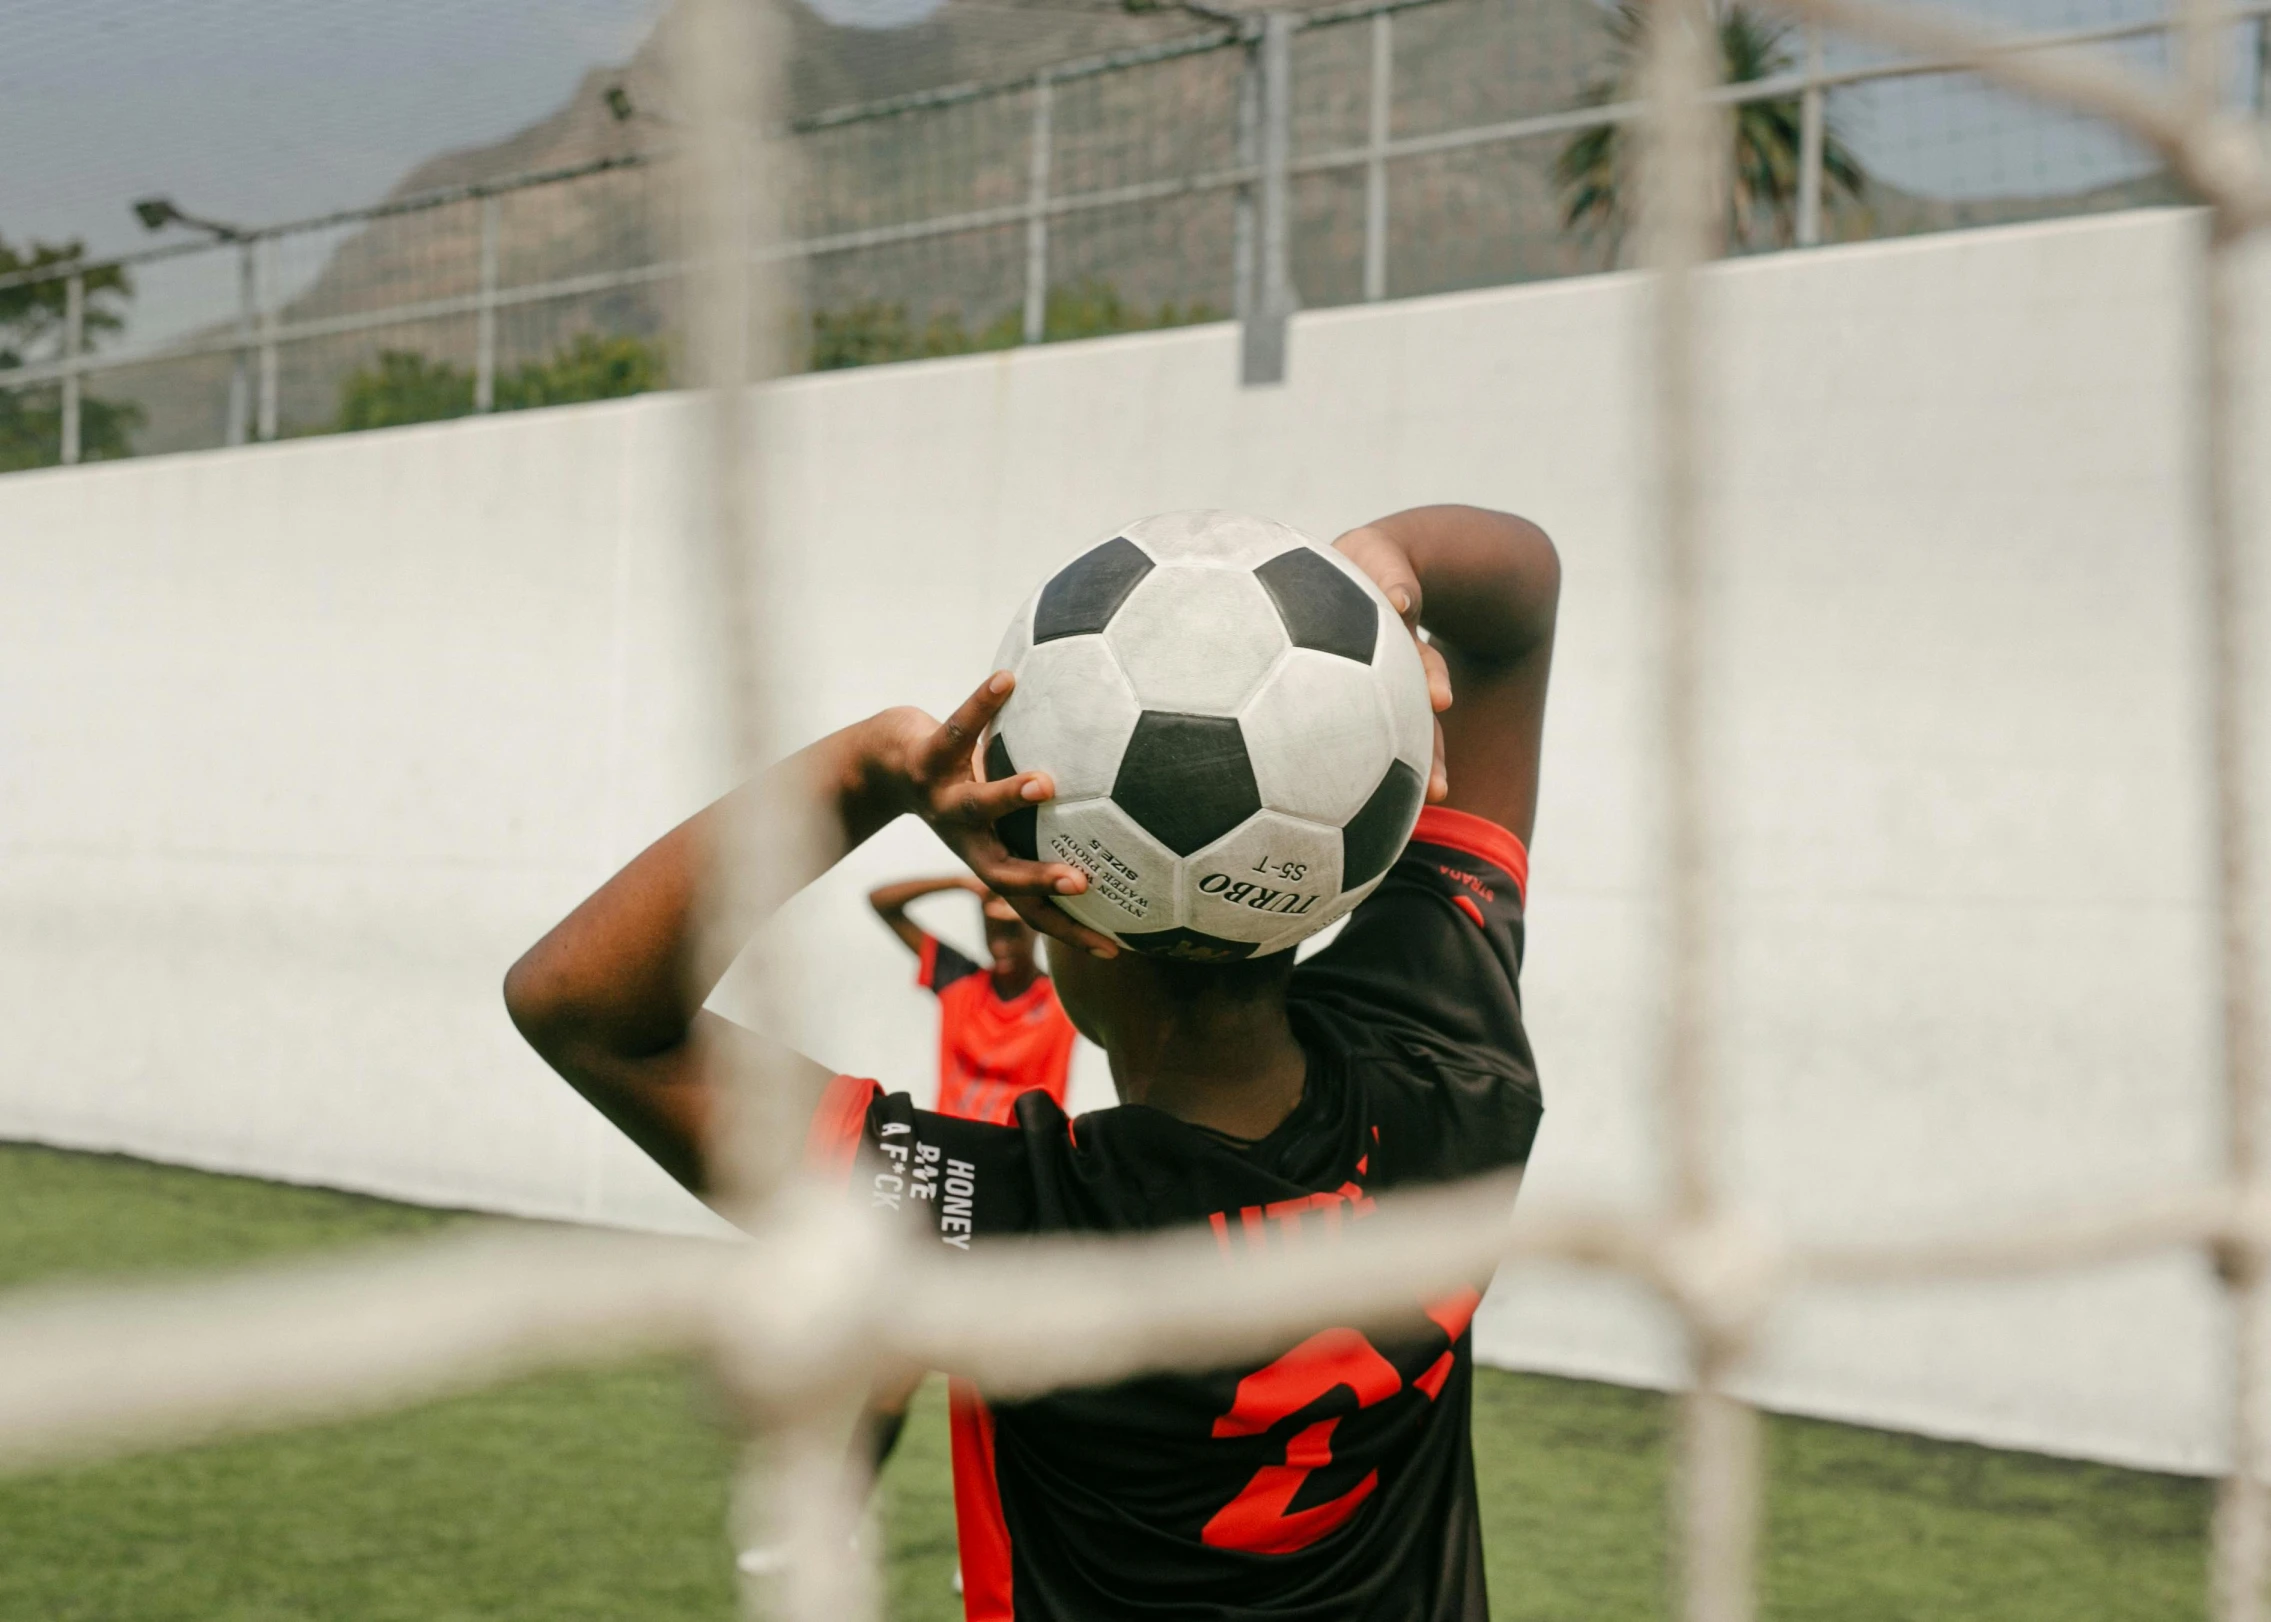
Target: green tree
(403,386)
(591,368)
(31,328)
(875,331)
(1595,170)
(1093,308)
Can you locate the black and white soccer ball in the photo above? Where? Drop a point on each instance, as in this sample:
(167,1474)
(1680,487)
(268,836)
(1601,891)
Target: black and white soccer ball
(1238,727)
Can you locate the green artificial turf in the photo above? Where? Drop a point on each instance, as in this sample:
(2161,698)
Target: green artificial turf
(602,1495)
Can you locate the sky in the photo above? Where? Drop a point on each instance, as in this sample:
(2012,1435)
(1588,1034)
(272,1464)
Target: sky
(258,110)
(266,110)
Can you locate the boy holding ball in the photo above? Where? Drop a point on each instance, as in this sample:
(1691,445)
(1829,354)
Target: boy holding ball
(1266,1101)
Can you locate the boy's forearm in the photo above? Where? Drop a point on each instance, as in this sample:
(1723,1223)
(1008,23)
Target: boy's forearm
(1485,586)
(625,971)
(612,996)
(1489,581)
(893,899)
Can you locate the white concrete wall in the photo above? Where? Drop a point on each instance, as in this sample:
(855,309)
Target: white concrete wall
(300,744)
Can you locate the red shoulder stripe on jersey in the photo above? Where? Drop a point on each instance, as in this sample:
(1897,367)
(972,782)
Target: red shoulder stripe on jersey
(1437,1372)
(837,1126)
(1476,836)
(978,1522)
(926,962)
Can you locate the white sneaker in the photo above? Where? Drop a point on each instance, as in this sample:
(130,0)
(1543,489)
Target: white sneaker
(958,1576)
(771,1562)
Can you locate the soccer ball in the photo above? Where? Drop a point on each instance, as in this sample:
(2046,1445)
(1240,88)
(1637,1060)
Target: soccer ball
(1238,727)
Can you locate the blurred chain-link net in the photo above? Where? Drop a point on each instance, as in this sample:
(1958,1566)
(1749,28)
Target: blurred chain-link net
(1003,191)
(493,294)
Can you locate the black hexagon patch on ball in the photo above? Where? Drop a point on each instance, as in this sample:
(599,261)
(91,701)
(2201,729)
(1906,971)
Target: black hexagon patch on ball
(1322,608)
(1019,831)
(1375,836)
(1081,598)
(1185,779)
(1188,945)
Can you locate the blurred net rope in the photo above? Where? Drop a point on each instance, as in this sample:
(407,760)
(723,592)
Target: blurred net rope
(988,181)
(798,1317)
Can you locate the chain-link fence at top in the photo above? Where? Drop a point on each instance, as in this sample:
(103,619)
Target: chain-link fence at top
(1389,148)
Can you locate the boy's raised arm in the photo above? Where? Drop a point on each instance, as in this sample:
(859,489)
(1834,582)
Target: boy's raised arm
(612,996)
(890,902)
(1486,586)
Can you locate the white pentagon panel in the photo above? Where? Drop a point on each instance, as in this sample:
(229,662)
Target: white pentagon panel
(1070,715)
(1017,641)
(1196,640)
(1264,881)
(1402,682)
(1213,536)
(1131,876)
(1318,736)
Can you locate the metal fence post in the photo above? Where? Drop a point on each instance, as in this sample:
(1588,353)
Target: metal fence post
(268,315)
(2263,67)
(1262,358)
(1037,213)
(1812,135)
(74,340)
(485,316)
(239,426)
(1242,202)
(1376,167)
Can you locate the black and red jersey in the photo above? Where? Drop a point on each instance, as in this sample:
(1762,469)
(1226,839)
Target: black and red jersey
(993,1048)
(1337,1480)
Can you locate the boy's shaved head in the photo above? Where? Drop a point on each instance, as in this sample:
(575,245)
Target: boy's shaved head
(1100,994)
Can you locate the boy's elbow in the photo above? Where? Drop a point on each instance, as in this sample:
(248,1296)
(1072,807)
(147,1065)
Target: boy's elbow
(536,1002)
(1518,566)
(1543,572)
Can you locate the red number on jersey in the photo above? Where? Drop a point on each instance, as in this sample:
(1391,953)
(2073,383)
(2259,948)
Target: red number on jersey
(1260,1520)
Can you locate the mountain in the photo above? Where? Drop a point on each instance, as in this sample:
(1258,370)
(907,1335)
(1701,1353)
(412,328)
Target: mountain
(1462,218)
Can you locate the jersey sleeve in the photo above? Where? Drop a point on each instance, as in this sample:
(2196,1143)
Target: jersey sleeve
(1434,955)
(948,1180)
(939,965)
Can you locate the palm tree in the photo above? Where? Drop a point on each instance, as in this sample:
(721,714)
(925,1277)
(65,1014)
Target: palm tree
(1594,170)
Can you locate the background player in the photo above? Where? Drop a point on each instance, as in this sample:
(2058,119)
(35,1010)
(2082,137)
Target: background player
(1265,1100)
(1001,1030)
(1001,1033)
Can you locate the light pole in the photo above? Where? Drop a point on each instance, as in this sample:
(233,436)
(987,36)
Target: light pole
(156,213)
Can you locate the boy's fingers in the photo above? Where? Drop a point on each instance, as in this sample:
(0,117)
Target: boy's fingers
(958,733)
(1438,672)
(1028,887)
(1402,589)
(1390,569)
(982,804)
(1055,922)
(1438,774)
(1012,876)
